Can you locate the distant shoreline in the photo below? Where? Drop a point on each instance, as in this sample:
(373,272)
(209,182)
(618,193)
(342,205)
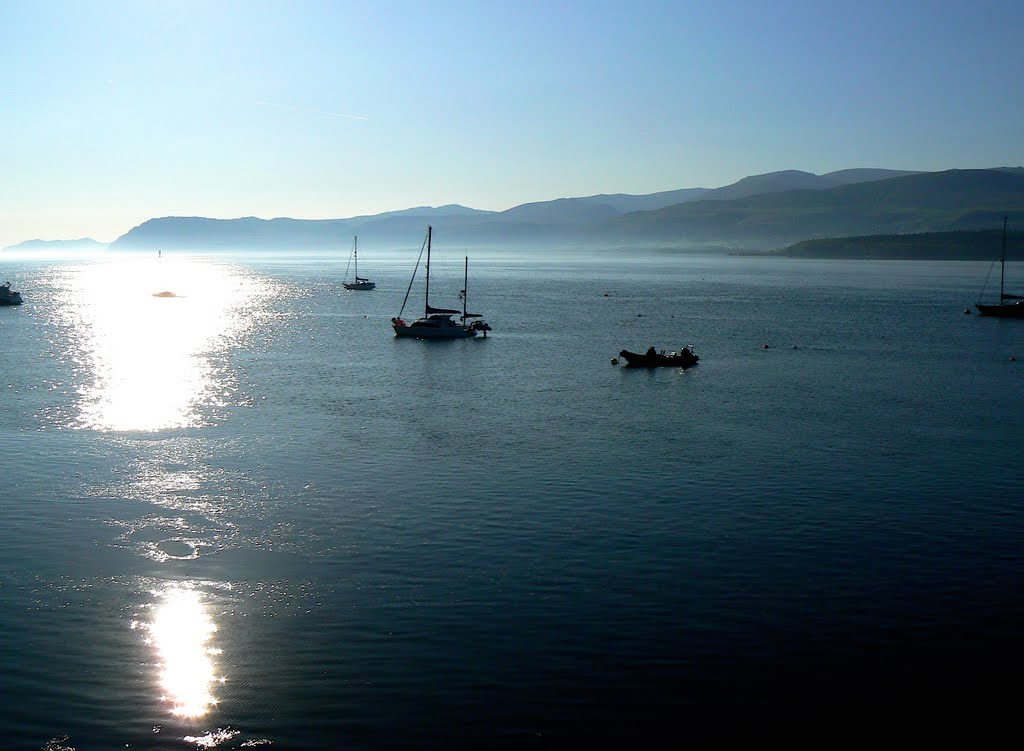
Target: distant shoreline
(981,245)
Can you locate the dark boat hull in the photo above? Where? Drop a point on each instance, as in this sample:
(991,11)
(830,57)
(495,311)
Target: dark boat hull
(1009,310)
(644,360)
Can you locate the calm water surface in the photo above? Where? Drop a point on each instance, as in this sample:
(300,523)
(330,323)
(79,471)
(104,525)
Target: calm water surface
(249,516)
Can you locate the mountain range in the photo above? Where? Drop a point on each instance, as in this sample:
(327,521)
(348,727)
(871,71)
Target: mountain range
(82,243)
(758,212)
(953,200)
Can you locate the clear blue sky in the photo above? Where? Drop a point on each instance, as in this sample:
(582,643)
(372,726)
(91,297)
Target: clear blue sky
(116,111)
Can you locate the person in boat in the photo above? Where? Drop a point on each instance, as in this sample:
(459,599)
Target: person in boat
(651,352)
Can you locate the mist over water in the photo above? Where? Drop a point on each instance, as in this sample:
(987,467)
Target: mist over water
(248,515)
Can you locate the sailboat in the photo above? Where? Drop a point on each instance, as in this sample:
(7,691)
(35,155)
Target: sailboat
(437,323)
(480,325)
(358,282)
(1009,306)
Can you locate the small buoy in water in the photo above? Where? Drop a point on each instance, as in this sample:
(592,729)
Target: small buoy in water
(795,347)
(967,311)
(605,294)
(615,361)
(764,346)
(639,315)
(1013,358)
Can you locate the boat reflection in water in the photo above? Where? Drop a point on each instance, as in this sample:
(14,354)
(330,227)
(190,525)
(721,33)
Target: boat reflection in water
(149,363)
(181,634)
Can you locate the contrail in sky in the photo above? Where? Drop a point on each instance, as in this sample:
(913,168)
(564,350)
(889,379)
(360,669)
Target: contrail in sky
(307,111)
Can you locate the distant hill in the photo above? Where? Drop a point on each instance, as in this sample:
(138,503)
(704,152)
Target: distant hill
(787,180)
(601,205)
(924,202)
(449,210)
(201,233)
(561,210)
(624,202)
(760,211)
(863,175)
(983,245)
(772,182)
(83,243)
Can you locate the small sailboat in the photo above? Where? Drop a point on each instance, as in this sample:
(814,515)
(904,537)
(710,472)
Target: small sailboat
(480,325)
(358,282)
(437,323)
(1009,306)
(166,292)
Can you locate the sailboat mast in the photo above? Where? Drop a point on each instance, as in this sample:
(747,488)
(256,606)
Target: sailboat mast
(465,288)
(426,294)
(1002,262)
(355,254)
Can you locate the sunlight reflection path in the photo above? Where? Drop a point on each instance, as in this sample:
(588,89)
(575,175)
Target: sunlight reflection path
(181,633)
(152,357)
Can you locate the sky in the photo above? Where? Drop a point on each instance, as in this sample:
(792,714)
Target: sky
(113,112)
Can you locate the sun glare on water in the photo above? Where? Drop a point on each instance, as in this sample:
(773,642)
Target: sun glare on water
(181,634)
(148,331)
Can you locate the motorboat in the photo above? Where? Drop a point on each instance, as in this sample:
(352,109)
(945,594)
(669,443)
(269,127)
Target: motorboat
(684,358)
(8,296)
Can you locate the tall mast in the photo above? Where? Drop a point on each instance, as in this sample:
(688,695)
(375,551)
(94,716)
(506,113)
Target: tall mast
(1002,262)
(355,255)
(426,294)
(465,286)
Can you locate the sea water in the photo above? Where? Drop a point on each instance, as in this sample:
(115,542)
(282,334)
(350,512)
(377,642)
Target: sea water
(245,514)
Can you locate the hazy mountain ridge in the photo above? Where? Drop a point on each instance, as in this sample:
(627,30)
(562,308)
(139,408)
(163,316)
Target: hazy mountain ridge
(81,243)
(772,182)
(864,175)
(765,211)
(979,245)
(192,233)
(923,202)
(620,203)
(451,209)
(626,202)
